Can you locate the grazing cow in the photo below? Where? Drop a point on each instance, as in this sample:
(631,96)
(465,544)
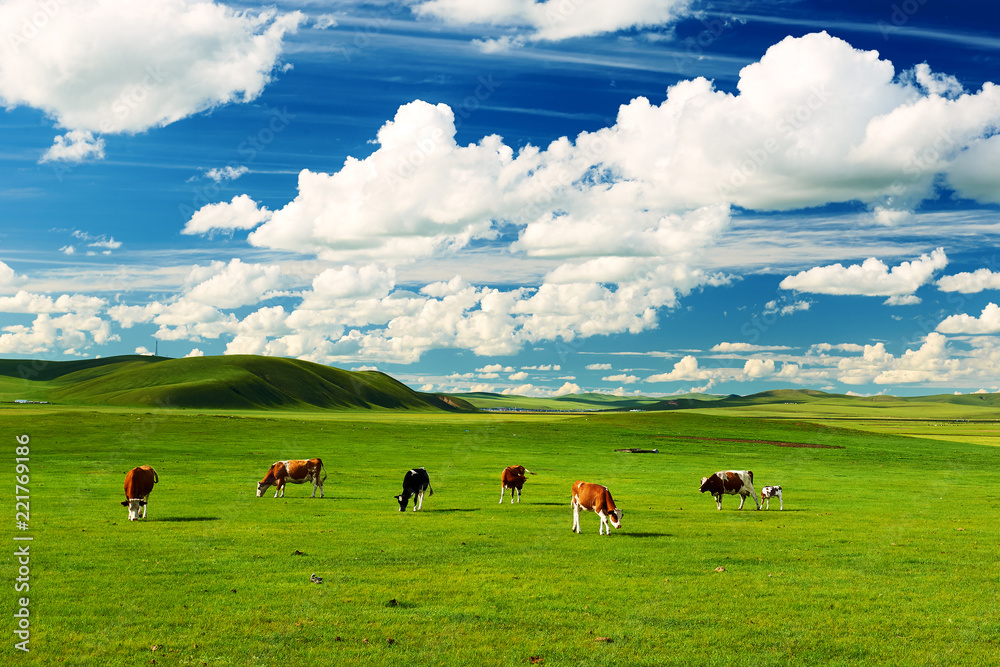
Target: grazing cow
(598,499)
(294,471)
(730,482)
(138,485)
(415,482)
(512,478)
(769,492)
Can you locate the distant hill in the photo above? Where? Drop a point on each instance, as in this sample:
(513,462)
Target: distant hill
(248,382)
(575,402)
(775,396)
(217,382)
(778,397)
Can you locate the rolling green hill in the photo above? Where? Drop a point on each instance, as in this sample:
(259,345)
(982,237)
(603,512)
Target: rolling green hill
(247,382)
(223,382)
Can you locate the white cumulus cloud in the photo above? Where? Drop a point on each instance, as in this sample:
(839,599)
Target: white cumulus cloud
(117,66)
(232,285)
(227,173)
(9,279)
(418,194)
(552,20)
(988,322)
(870,278)
(240,213)
(746,347)
(621,377)
(970,283)
(686,369)
(542,392)
(75,146)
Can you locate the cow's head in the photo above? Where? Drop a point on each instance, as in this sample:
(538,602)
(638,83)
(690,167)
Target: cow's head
(616,518)
(703,488)
(134,506)
(262,487)
(402,500)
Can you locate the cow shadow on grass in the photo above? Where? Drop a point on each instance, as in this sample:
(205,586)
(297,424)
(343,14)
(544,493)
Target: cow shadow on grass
(453,509)
(783,511)
(305,499)
(186,518)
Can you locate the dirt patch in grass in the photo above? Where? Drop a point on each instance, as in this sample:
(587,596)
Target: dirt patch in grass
(776,443)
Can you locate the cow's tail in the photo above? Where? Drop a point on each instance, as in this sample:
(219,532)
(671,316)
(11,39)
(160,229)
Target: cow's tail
(323,469)
(750,475)
(528,471)
(156,478)
(430,490)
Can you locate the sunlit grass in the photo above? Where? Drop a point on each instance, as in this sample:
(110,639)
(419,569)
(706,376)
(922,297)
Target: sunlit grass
(882,555)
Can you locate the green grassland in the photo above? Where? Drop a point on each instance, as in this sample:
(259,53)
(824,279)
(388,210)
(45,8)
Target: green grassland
(966,418)
(885,553)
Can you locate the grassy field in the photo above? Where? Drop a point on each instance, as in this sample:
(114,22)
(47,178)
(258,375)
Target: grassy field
(974,421)
(886,553)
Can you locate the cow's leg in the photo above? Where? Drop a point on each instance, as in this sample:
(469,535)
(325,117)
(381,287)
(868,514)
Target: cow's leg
(604,524)
(718,500)
(420,501)
(743,499)
(754,496)
(576,518)
(781,501)
(502,488)
(767,503)
(518,496)
(145,505)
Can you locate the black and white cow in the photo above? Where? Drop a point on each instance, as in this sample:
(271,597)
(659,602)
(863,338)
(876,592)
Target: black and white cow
(769,492)
(415,482)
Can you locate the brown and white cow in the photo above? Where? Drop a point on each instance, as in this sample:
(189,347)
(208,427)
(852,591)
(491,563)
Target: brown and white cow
(138,485)
(769,492)
(512,477)
(733,482)
(295,471)
(596,498)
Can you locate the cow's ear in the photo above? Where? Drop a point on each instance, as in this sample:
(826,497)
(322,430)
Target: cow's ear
(124,503)
(142,503)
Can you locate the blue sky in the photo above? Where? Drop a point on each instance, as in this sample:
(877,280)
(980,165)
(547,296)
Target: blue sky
(649,197)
